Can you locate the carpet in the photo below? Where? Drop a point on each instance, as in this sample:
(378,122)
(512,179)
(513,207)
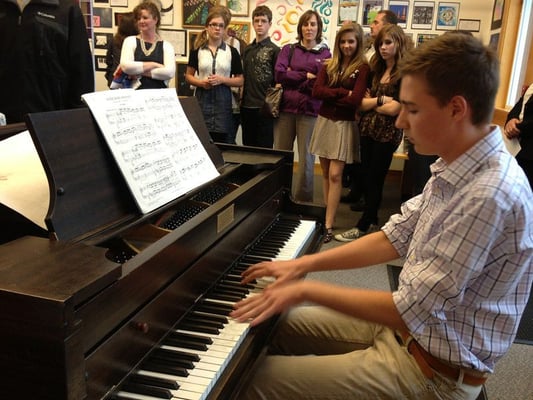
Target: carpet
(525,329)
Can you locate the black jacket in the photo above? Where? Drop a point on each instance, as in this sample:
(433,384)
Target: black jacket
(526,127)
(45,60)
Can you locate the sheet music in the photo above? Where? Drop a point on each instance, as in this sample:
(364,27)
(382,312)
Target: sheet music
(23,183)
(153,142)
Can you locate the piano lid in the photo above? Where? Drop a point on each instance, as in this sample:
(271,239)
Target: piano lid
(87,190)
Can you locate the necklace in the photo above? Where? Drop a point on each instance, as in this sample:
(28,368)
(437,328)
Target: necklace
(152,47)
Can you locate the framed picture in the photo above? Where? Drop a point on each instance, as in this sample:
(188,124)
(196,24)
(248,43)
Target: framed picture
(102,39)
(401,9)
(118,3)
(470,25)
(99,63)
(447,16)
(102,17)
(178,39)
(497,14)
(494,41)
(348,11)
(195,12)
(423,15)
(370,10)
(241,29)
(424,37)
(192,38)
(167,12)
(238,8)
(118,17)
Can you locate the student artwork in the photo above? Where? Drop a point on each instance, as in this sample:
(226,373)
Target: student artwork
(195,12)
(370,10)
(423,15)
(447,16)
(401,9)
(348,11)
(285,18)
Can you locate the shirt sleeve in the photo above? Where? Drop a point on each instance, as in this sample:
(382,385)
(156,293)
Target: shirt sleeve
(169,61)
(127,57)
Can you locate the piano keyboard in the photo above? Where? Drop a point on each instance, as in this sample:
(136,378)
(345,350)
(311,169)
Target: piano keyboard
(187,363)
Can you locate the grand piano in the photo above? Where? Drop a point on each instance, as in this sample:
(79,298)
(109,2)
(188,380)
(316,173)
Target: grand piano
(110,303)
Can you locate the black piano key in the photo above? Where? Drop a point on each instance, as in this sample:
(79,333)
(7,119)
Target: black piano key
(203,320)
(172,362)
(160,393)
(175,355)
(226,287)
(208,308)
(153,381)
(214,317)
(224,297)
(190,336)
(188,344)
(221,306)
(164,369)
(191,326)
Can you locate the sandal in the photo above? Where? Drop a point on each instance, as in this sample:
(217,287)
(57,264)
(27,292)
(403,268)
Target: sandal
(329,235)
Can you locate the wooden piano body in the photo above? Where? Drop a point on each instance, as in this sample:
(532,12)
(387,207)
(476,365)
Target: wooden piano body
(75,319)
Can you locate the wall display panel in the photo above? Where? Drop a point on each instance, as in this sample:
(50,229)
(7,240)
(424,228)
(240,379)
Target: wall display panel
(370,10)
(425,37)
(241,29)
(102,17)
(423,12)
(470,25)
(102,39)
(178,39)
(100,63)
(118,3)
(401,9)
(238,8)
(447,16)
(193,35)
(194,12)
(348,11)
(497,14)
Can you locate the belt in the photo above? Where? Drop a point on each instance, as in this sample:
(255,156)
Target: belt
(428,364)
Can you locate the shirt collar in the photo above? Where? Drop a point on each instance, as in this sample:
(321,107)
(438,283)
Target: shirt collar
(460,171)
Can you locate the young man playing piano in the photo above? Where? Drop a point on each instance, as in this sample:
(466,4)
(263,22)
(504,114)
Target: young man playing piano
(467,241)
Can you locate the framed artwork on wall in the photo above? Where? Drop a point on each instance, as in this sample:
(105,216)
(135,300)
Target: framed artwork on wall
(99,63)
(470,25)
(401,9)
(370,10)
(447,16)
(497,14)
(195,12)
(238,8)
(423,15)
(102,39)
(348,11)
(102,17)
(178,39)
(241,29)
(192,38)
(118,3)
(424,37)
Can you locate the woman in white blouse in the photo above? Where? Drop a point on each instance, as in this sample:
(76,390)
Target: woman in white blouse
(146,55)
(215,67)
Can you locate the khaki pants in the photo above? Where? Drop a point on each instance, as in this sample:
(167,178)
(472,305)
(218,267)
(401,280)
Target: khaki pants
(320,354)
(287,128)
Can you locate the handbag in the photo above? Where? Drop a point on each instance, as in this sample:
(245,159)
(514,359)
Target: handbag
(274,95)
(272,102)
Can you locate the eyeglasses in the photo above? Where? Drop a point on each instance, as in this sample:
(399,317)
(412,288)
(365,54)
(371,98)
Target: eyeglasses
(214,26)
